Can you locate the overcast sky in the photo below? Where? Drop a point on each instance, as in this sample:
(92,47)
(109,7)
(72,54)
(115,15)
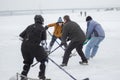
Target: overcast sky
(55,4)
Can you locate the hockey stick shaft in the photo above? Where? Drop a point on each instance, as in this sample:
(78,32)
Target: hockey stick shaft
(56,40)
(48,54)
(54,50)
(62,69)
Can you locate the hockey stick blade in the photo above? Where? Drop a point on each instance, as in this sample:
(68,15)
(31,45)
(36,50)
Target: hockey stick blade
(86,79)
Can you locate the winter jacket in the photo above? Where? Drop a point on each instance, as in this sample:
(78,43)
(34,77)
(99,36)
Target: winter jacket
(94,29)
(72,31)
(57,29)
(34,34)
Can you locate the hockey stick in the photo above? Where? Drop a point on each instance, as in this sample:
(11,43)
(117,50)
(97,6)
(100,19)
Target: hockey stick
(54,50)
(62,69)
(55,40)
(48,54)
(65,70)
(61,46)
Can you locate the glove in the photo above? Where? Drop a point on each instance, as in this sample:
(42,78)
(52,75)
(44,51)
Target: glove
(42,43)
(86,41)
(46,27)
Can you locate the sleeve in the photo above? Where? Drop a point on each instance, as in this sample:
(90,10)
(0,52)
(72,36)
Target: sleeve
(64,34)
(44,36)
(90,29)
(51,25)
(23,34)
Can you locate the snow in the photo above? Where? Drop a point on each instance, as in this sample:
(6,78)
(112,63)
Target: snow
(105,65)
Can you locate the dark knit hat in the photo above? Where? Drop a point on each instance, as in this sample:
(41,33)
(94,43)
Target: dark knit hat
(88,18)
(59,20)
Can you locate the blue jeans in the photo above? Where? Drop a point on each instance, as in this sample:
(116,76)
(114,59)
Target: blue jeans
(92,46)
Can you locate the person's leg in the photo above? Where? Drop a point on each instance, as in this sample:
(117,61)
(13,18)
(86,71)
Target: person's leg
(42,69)
(26,68)
(80,52)
(89,47)
(51,43)
(27,63)
(96,46)
(67,53)
(41,56)
(28,60)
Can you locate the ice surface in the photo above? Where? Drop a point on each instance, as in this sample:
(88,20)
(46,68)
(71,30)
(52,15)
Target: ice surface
(104,66)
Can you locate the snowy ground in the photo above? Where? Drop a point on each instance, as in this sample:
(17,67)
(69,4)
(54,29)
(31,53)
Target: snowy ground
(105,66)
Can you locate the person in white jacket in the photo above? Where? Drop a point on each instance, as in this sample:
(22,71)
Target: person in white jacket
(95,35)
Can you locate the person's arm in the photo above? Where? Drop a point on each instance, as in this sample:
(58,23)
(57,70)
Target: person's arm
(50,25)
(22,35)
(90,29)
(43,37)
(64,35)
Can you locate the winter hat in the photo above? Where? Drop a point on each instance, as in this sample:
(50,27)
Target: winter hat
(88,18)
(38,19)
(59,20)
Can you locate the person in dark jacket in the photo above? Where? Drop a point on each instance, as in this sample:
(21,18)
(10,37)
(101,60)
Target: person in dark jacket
(95,35)
(32,36)
(74,33)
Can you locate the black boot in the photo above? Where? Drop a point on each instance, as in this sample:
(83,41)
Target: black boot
(41,77)
(84,62)
(62,65)
(23,78)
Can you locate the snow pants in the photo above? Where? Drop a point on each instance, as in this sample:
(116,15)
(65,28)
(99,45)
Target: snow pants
(29,52)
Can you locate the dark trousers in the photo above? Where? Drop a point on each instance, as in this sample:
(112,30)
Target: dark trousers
(70,47)
(42,68)
(29,52)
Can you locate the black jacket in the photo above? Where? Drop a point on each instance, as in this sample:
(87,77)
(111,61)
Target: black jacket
(34,34)
(72,31)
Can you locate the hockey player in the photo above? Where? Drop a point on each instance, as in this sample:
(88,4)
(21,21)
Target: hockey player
(72,31)
(57,32)
(94,34)
(32,36)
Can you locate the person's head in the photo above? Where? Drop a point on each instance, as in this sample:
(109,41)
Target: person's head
(88,18)
(60,22)
(38,19)
(66,18)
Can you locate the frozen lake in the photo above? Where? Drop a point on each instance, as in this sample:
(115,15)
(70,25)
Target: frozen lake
(105,65)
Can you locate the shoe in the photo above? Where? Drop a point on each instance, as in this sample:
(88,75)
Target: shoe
(45,79)
(62,65)
(92,57)
(42,77)
(86,79)
(84,62)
